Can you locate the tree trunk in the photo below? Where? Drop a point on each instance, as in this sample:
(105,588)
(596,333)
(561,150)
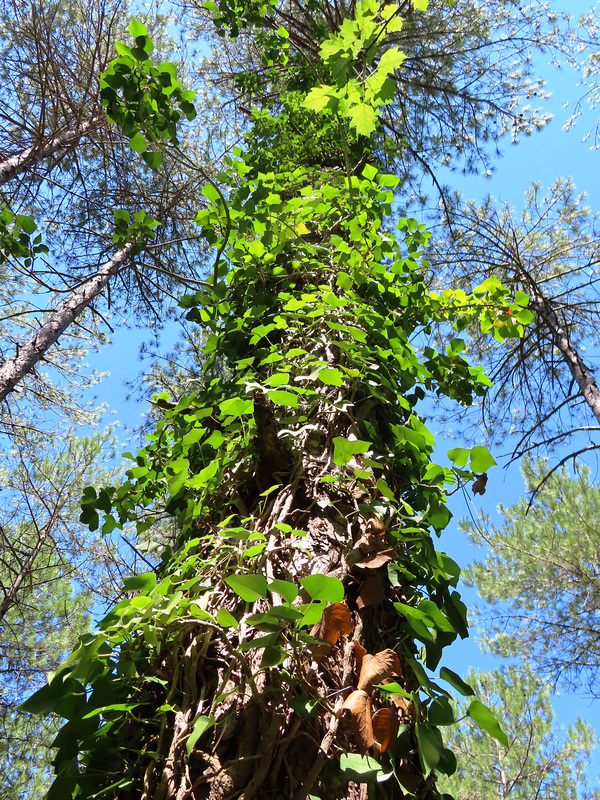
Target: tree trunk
(562,341)
(17,163)
(32,352)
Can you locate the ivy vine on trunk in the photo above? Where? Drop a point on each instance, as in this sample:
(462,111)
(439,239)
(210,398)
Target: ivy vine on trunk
(284,646)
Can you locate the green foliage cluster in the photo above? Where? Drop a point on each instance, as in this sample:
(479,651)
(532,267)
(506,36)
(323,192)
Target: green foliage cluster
(316,305)
(144,100)
(17,238)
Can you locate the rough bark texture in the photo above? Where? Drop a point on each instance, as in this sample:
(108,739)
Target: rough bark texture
(260,748)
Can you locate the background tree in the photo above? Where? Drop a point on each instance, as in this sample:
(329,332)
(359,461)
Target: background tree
(540,761)
(541,578)
(543,383)
(53,570)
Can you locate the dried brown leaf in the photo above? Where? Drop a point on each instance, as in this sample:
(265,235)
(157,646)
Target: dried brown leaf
(368,543)
(376,560)
(335,620)
(375,668)
(357,711)
(480,484)
(371,592)
(385,729)
(359,653)
(375,525)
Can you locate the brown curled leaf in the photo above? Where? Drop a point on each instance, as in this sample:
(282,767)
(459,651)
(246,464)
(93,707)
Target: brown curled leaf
(335,620)
(374,669)
(376,560)
(357,711)
(368,543)
(375,525)
(480,484)
(385,729)
(359,653)
(371,592)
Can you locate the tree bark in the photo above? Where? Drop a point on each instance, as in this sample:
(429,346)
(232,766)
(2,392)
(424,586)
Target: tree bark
(12,166)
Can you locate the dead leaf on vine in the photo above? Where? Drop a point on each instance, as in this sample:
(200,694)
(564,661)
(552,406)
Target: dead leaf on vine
(385,729)
(376,560)
(374,669)
(480,484)
(375,525)
(335,620)
(404,704)
(359,653)
(371,592)
(357,711)
(368,543)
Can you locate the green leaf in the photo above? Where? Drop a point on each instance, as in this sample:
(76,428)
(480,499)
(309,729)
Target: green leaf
(236,407)
(282,398)
(486,720)
(320,98)
(305,706)
(441,712)
(456,682)
(285,612)
(481,460)
(153,158)
(248,587)
(394,689)
(363,117)
(211,193)
(137,29)
(345,449)
(26,223)
(48,697)
(140,583)
(226,619)
(200,726)
(430,746)
(459,455)
(331,377)
(521,299)
(286,589)
(344,281)
(362,769)
(391,60)
(138,143)
(273,655)
(324,588)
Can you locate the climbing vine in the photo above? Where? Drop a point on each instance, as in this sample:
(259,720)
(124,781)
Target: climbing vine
(286,643)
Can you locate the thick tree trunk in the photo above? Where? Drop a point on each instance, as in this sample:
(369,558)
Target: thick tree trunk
(12,166)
